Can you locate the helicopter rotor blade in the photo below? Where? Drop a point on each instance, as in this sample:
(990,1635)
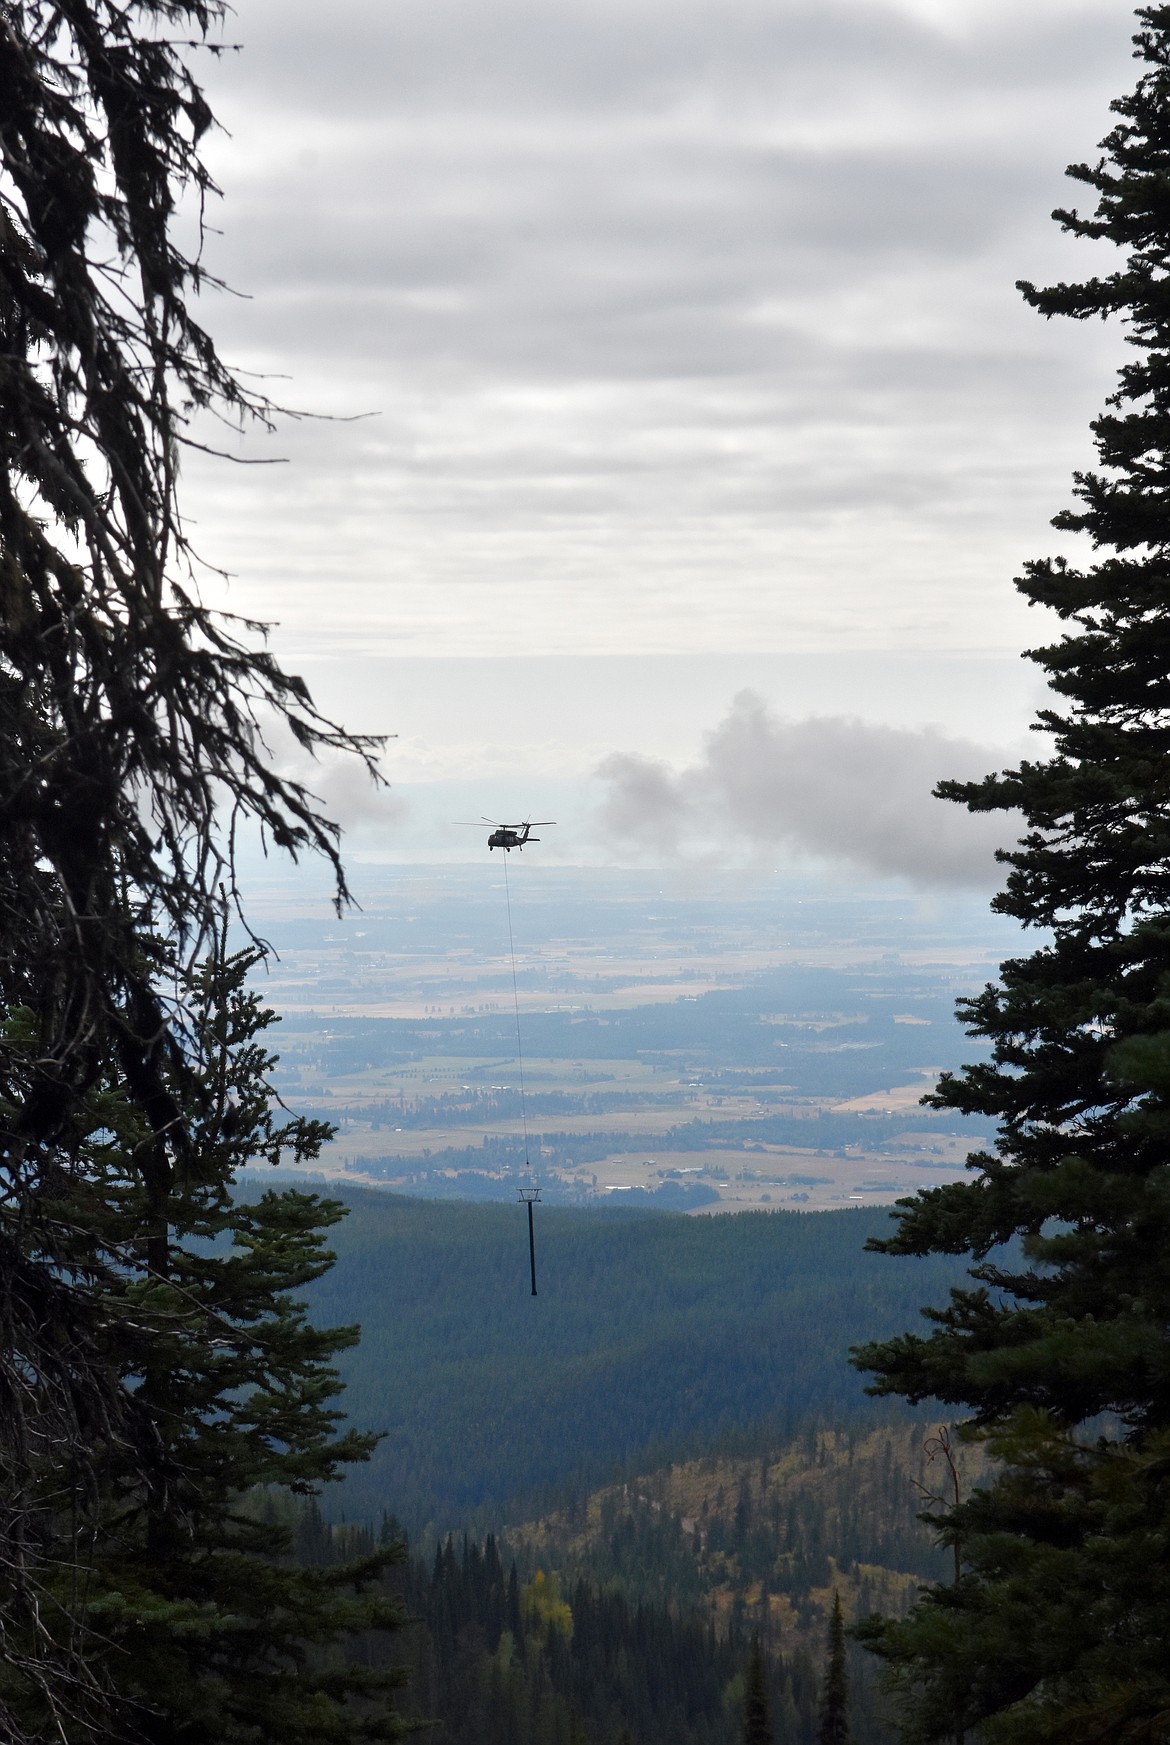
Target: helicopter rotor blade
(498,824)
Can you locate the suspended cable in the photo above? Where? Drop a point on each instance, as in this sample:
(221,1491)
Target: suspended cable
(528,1191)
(516,1001)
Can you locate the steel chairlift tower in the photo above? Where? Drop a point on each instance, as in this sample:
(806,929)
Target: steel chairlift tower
(529,1196)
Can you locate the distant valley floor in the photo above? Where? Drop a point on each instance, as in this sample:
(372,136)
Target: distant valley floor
(724,1052)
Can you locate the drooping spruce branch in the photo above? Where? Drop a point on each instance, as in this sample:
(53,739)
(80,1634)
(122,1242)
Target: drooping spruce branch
(130,713)
(130,750)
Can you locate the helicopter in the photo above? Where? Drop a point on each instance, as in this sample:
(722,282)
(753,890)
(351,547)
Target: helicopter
(508,836)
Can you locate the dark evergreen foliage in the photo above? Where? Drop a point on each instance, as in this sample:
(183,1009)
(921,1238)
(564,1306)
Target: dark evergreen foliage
(1058,1627)
(493,1665)
(646,1627)
(129,724)
(757,1719)
(833,1724)
(128,710)
(658,1336)
(190,1623)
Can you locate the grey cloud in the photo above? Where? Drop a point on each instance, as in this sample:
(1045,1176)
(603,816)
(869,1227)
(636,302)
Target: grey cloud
(585,243)
(752,225)
(346,793)
(612,271)
(832,788)
(350,798)
(416,54)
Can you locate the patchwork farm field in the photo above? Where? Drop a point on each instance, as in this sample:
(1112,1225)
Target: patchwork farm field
(715,1053)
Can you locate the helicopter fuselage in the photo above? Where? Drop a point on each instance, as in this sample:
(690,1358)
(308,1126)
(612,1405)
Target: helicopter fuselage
(507,838)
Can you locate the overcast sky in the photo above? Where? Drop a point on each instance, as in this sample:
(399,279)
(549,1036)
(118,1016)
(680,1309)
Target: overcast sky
(695,361)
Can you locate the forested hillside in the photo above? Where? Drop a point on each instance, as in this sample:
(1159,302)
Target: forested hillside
(500,1655)
(655,1336)
(629,1614)
(760,1541)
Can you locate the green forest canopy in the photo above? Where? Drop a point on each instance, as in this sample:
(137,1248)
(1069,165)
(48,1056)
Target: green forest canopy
(654,1334)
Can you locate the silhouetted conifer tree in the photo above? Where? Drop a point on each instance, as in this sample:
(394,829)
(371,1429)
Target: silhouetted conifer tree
(833,1721)
(1060,1350)
(174,1579)
(757,1721)
(130,731)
